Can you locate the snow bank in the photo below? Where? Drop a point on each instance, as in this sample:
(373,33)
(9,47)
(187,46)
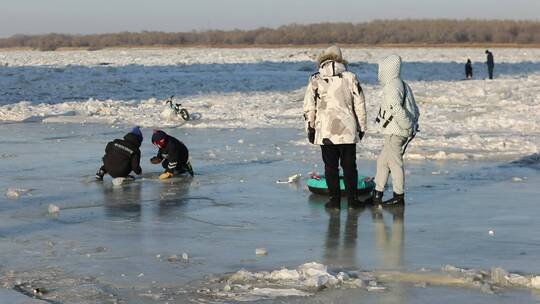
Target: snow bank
(305,280)
(175,56)
(460,120)
(310,278)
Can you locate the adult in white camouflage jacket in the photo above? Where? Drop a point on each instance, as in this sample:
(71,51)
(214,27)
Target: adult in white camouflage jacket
(398,121)
(335,114)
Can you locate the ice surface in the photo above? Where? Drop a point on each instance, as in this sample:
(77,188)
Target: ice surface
(104,237)
(60,109)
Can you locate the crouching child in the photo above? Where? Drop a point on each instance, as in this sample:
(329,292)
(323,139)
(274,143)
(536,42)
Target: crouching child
(122,156)
(173,155)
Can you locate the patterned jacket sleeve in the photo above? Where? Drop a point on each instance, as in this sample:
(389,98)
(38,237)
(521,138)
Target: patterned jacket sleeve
(359,104)
(310,104)
(393,96)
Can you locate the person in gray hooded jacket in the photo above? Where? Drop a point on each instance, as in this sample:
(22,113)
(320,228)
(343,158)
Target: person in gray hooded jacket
(398,121)
(335,114)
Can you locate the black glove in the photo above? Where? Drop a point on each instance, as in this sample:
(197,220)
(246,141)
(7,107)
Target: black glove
(156,160)
(311,134)
(361,134)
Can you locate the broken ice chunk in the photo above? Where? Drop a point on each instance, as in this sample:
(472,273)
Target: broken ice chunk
(118,181)
(292,179)
(53,209)
(261,251)
(185,257)
(15,193)
(535,282)
(375,288)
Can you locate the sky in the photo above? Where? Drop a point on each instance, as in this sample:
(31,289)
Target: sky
(106,16)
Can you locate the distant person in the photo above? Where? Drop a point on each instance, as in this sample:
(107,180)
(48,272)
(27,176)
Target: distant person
(173,155)
(335,114)
(468,69)
(490,63)
(398,120)
(122,156)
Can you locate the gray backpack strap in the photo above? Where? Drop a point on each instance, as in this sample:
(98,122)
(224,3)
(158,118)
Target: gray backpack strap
(404,93)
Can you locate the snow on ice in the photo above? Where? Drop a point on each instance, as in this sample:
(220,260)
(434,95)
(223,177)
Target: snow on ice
(309,278)
(15,193)
(460,120)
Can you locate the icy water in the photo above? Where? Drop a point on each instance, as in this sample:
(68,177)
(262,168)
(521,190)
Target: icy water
(150,241)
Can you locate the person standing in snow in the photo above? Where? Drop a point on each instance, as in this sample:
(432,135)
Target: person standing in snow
(398,121)
(122,156)
(490,63)
(335,115)
(173,155)
(468,69)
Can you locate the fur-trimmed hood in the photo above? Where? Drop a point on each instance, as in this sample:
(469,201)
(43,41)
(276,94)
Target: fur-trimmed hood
(332,53)
(331,68)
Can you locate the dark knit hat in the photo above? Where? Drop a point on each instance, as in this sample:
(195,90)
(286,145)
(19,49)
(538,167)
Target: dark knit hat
(159,138)
(137,132)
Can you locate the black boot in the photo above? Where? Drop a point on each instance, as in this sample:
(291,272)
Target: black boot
(99,174)
(333,204)
(398,199)
(377,197)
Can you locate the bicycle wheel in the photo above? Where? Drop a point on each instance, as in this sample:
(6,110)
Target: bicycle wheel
(184,114)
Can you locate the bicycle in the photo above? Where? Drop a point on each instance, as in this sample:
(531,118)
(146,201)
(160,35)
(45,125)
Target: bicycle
(177,108)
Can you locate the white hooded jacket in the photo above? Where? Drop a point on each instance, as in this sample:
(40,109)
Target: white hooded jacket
(397,116)
(334,103)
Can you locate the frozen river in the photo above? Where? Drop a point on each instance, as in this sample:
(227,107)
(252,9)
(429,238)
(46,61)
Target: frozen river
(468,233)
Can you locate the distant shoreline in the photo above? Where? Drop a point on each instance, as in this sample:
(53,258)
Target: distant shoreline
(290,46)
(377,33)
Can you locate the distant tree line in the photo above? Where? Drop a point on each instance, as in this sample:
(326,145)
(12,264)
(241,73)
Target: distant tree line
(378,32)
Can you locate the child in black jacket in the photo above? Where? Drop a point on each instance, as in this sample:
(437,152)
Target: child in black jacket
(122,156)
(172,154)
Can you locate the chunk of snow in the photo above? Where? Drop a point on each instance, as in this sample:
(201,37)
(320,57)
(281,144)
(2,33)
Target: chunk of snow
(284,275)
(53,209)
(185,257)
(261,251)
(275,292)
(15,193)
(535,282)
(118,181)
